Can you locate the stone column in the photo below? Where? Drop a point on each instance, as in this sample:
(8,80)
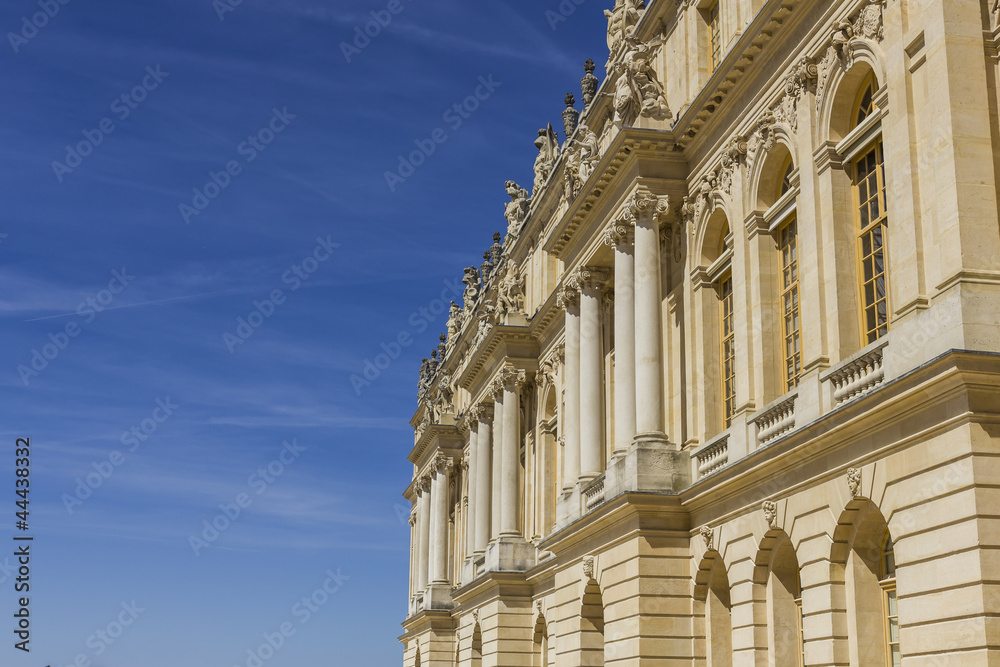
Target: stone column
(622,237)
(592,281)
(424,531)
(482,479)
(512,380)
(470,518)
(414,550)
(439,521)
(645,211)
(495,485)
(569,300)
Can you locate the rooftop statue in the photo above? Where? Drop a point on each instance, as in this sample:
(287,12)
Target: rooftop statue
(471,280)
(516,211)
(548,152)
(638,91)
(622,21)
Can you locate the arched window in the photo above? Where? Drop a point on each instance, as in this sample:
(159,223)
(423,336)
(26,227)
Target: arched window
(871,224)
(788,243)
(727,332)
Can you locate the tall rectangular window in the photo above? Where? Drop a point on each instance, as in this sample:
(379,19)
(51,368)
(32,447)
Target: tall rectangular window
(714,34)
(788,246)
(727,349)
(873,272)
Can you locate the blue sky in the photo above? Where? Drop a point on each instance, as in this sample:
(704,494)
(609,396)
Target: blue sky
(133,304)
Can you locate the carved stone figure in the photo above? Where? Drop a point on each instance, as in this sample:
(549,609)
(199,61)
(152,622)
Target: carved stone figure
(621,23)
(471,281)
(570,116)
(854,481)
(454,322)
(548,152)
(706,534)
(510,294)
(588,567)
(590,152)
(425,378)
(442,346)
(995,13)
(638,91)
(571,173)
(590,83)
(770,513)
(516,211)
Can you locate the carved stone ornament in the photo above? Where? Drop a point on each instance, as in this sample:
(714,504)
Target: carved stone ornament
(733,154)
(619,234)
(444,464)
(454,323)
(590,83)
(801,79)
(994,14)
(486,315)
(638,91)
(708,536)
(589,153)
(413,519)
(513,378)
(770,513)
(516,211)
(592,277)
(588,567)
(569,296)
(471,280)
(643,204)
(475,616)
(570,115)
(572,166)
(549,368)
(854,481)
(548,153)
(496,250)
(867,24)
(622,21)
(510,293)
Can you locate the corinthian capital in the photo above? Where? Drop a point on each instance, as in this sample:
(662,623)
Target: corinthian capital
(592,277)
(512,378)
(644,206)
(619,234)
(444,463)
(569,296)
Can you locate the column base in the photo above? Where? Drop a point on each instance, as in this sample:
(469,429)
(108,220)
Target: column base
(437,596)
(651,463)
(510,554)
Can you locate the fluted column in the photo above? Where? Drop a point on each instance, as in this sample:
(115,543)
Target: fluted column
(495,486)
(423,520)
(592,281)
(622,237)
(414,550)
(510,455)
(439,521)
(569,300)
(482,478)
(470,518)
(645,211)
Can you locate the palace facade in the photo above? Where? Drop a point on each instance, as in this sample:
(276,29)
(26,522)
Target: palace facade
(728,390)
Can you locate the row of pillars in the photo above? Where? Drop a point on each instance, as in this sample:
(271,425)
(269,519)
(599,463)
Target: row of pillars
(493,470)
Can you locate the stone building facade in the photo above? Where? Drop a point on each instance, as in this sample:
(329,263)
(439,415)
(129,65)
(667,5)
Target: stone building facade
(726,392)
